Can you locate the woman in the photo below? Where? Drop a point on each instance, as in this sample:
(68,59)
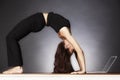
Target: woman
(35,23)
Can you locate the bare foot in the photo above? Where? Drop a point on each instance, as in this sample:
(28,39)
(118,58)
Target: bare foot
(14,70)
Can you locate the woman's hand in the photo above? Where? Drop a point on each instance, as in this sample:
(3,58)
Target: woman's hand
(78,72)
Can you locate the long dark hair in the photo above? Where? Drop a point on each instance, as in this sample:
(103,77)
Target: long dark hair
(62,62)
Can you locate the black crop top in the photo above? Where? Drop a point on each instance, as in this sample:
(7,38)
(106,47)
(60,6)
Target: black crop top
(57,21)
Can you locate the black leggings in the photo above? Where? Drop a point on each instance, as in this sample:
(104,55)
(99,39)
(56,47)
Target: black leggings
(32,23)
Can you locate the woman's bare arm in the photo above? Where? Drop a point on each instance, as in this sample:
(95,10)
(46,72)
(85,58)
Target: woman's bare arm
(65,35)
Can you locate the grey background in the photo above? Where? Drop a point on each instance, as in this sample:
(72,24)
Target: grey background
(95,26)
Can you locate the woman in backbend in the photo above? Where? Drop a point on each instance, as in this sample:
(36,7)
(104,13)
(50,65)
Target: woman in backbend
(35,23)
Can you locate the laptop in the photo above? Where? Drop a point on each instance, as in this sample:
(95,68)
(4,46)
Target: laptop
(107,66)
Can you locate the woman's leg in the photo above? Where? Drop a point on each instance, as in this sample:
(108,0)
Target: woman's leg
(12,39)
(13,48)
(33,23)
